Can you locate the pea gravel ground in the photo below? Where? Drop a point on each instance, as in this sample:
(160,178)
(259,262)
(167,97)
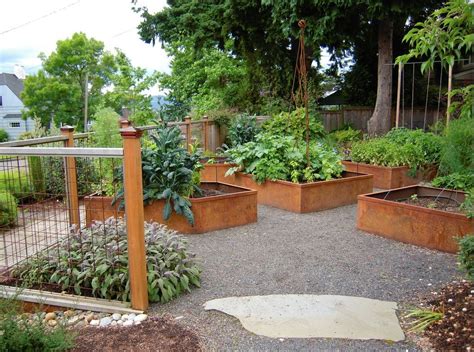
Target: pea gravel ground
(317,253)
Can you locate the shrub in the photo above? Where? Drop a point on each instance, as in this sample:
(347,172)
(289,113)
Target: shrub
(169,172)
(3,135)
(466,255)
(293,124)
(18,335)
(96,258)
(35,171)
(15,182)
(344,138)
(243,129)
(457,153)
(8,209)
(273,157)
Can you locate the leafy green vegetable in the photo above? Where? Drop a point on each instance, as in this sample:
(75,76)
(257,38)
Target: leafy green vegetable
(466,255)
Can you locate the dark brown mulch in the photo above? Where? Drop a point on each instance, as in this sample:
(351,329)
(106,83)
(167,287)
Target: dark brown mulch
(208,193)
(155,334)
(455,332)
(434,203)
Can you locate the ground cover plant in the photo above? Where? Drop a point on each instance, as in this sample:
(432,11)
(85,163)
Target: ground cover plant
(18,334)
(169,172)
(400,147)
(94,261)
(274,157)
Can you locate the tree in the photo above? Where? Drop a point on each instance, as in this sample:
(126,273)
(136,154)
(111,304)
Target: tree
(264,34)
(129,86)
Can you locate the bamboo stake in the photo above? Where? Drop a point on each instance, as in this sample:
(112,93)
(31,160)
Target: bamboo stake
(450,82)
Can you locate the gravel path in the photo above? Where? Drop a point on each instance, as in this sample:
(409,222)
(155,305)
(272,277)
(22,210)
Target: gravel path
(317,253)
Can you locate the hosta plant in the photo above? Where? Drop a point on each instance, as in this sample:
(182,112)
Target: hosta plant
(95,259)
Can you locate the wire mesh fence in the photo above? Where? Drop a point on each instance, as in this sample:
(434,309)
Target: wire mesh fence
(54,226)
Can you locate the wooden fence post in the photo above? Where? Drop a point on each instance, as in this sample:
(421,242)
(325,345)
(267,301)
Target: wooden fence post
(71,178)
(205,127)
(132,171)
(187,121)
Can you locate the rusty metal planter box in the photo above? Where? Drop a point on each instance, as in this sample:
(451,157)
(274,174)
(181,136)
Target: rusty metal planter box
(307,197)
(237,207)
(381,214)
(215,172)
(388,177)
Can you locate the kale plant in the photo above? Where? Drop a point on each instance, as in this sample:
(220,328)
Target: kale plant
(243,129)
(95,259)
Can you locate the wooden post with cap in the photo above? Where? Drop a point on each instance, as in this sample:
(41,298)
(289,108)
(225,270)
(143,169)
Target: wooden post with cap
(205,128)
(71,178)
(187,121)
(132,171)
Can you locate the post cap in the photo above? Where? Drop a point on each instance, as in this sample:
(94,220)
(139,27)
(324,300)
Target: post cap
(131,132)
(124,123)
(67,128)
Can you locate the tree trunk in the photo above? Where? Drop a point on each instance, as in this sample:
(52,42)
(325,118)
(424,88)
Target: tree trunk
(380,121)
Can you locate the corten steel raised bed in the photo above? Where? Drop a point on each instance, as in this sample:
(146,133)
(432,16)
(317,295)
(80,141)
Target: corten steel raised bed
(238,206)
(307,197)
(389,177)
(381,214)
(215,172)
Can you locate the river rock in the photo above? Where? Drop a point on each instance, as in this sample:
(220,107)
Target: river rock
(105,321)
(95,322)
(50,316)
(116,316)
(52,322)
(140,317)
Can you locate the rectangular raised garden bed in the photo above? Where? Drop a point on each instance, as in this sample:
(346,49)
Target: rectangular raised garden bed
(307,197)
(215,172)
(389,177)
(387,214)
(232,206)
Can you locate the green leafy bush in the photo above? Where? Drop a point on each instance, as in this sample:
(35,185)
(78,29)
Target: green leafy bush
(343,139)
(96,258)
(169,172)
(400,147)
(243,129)
(3,135)
(466,255)
(8,209)
(457,152)
(17,183)
(293,124)
(273,157)
(18,335)
(463,182)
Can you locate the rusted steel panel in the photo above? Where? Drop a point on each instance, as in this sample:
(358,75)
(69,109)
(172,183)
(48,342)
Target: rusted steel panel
(430,228)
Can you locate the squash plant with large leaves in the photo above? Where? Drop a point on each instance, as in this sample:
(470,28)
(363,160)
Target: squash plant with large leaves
(169,172)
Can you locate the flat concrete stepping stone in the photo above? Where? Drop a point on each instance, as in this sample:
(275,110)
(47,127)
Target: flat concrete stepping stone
(305,316)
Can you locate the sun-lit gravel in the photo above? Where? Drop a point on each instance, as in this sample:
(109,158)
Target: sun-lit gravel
(317,253)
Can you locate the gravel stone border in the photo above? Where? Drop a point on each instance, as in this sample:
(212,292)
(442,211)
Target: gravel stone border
(316,253)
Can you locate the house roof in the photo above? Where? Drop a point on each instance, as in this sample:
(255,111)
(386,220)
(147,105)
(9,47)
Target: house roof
(13,82)
(335,98)
(12,116)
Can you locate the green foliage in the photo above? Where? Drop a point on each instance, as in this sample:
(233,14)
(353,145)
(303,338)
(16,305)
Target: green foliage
(8,209)
(293,124)
(462,182)
(3,135)
(275,157)
(400,147)
(446,35)
(15,182)
(457,154)
(463,101)
(243,129)
(35,171)
(423,318)
(96,259)
(344,138)
(19,335)
(169,172)
(466,255)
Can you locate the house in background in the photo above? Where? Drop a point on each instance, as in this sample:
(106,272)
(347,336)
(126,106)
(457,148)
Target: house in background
(11,86)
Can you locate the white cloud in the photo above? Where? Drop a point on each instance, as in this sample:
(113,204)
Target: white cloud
(111,21)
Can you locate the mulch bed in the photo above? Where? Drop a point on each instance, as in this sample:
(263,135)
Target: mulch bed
(455,332)
(155,334)
(445,204)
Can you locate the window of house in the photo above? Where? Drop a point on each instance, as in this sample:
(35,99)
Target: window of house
(15,124)
(1,102)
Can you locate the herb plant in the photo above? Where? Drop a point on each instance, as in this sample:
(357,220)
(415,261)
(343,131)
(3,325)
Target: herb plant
(466,255)
(169,172)
(96,259)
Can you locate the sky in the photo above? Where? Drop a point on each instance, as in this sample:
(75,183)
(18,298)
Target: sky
(28,27)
